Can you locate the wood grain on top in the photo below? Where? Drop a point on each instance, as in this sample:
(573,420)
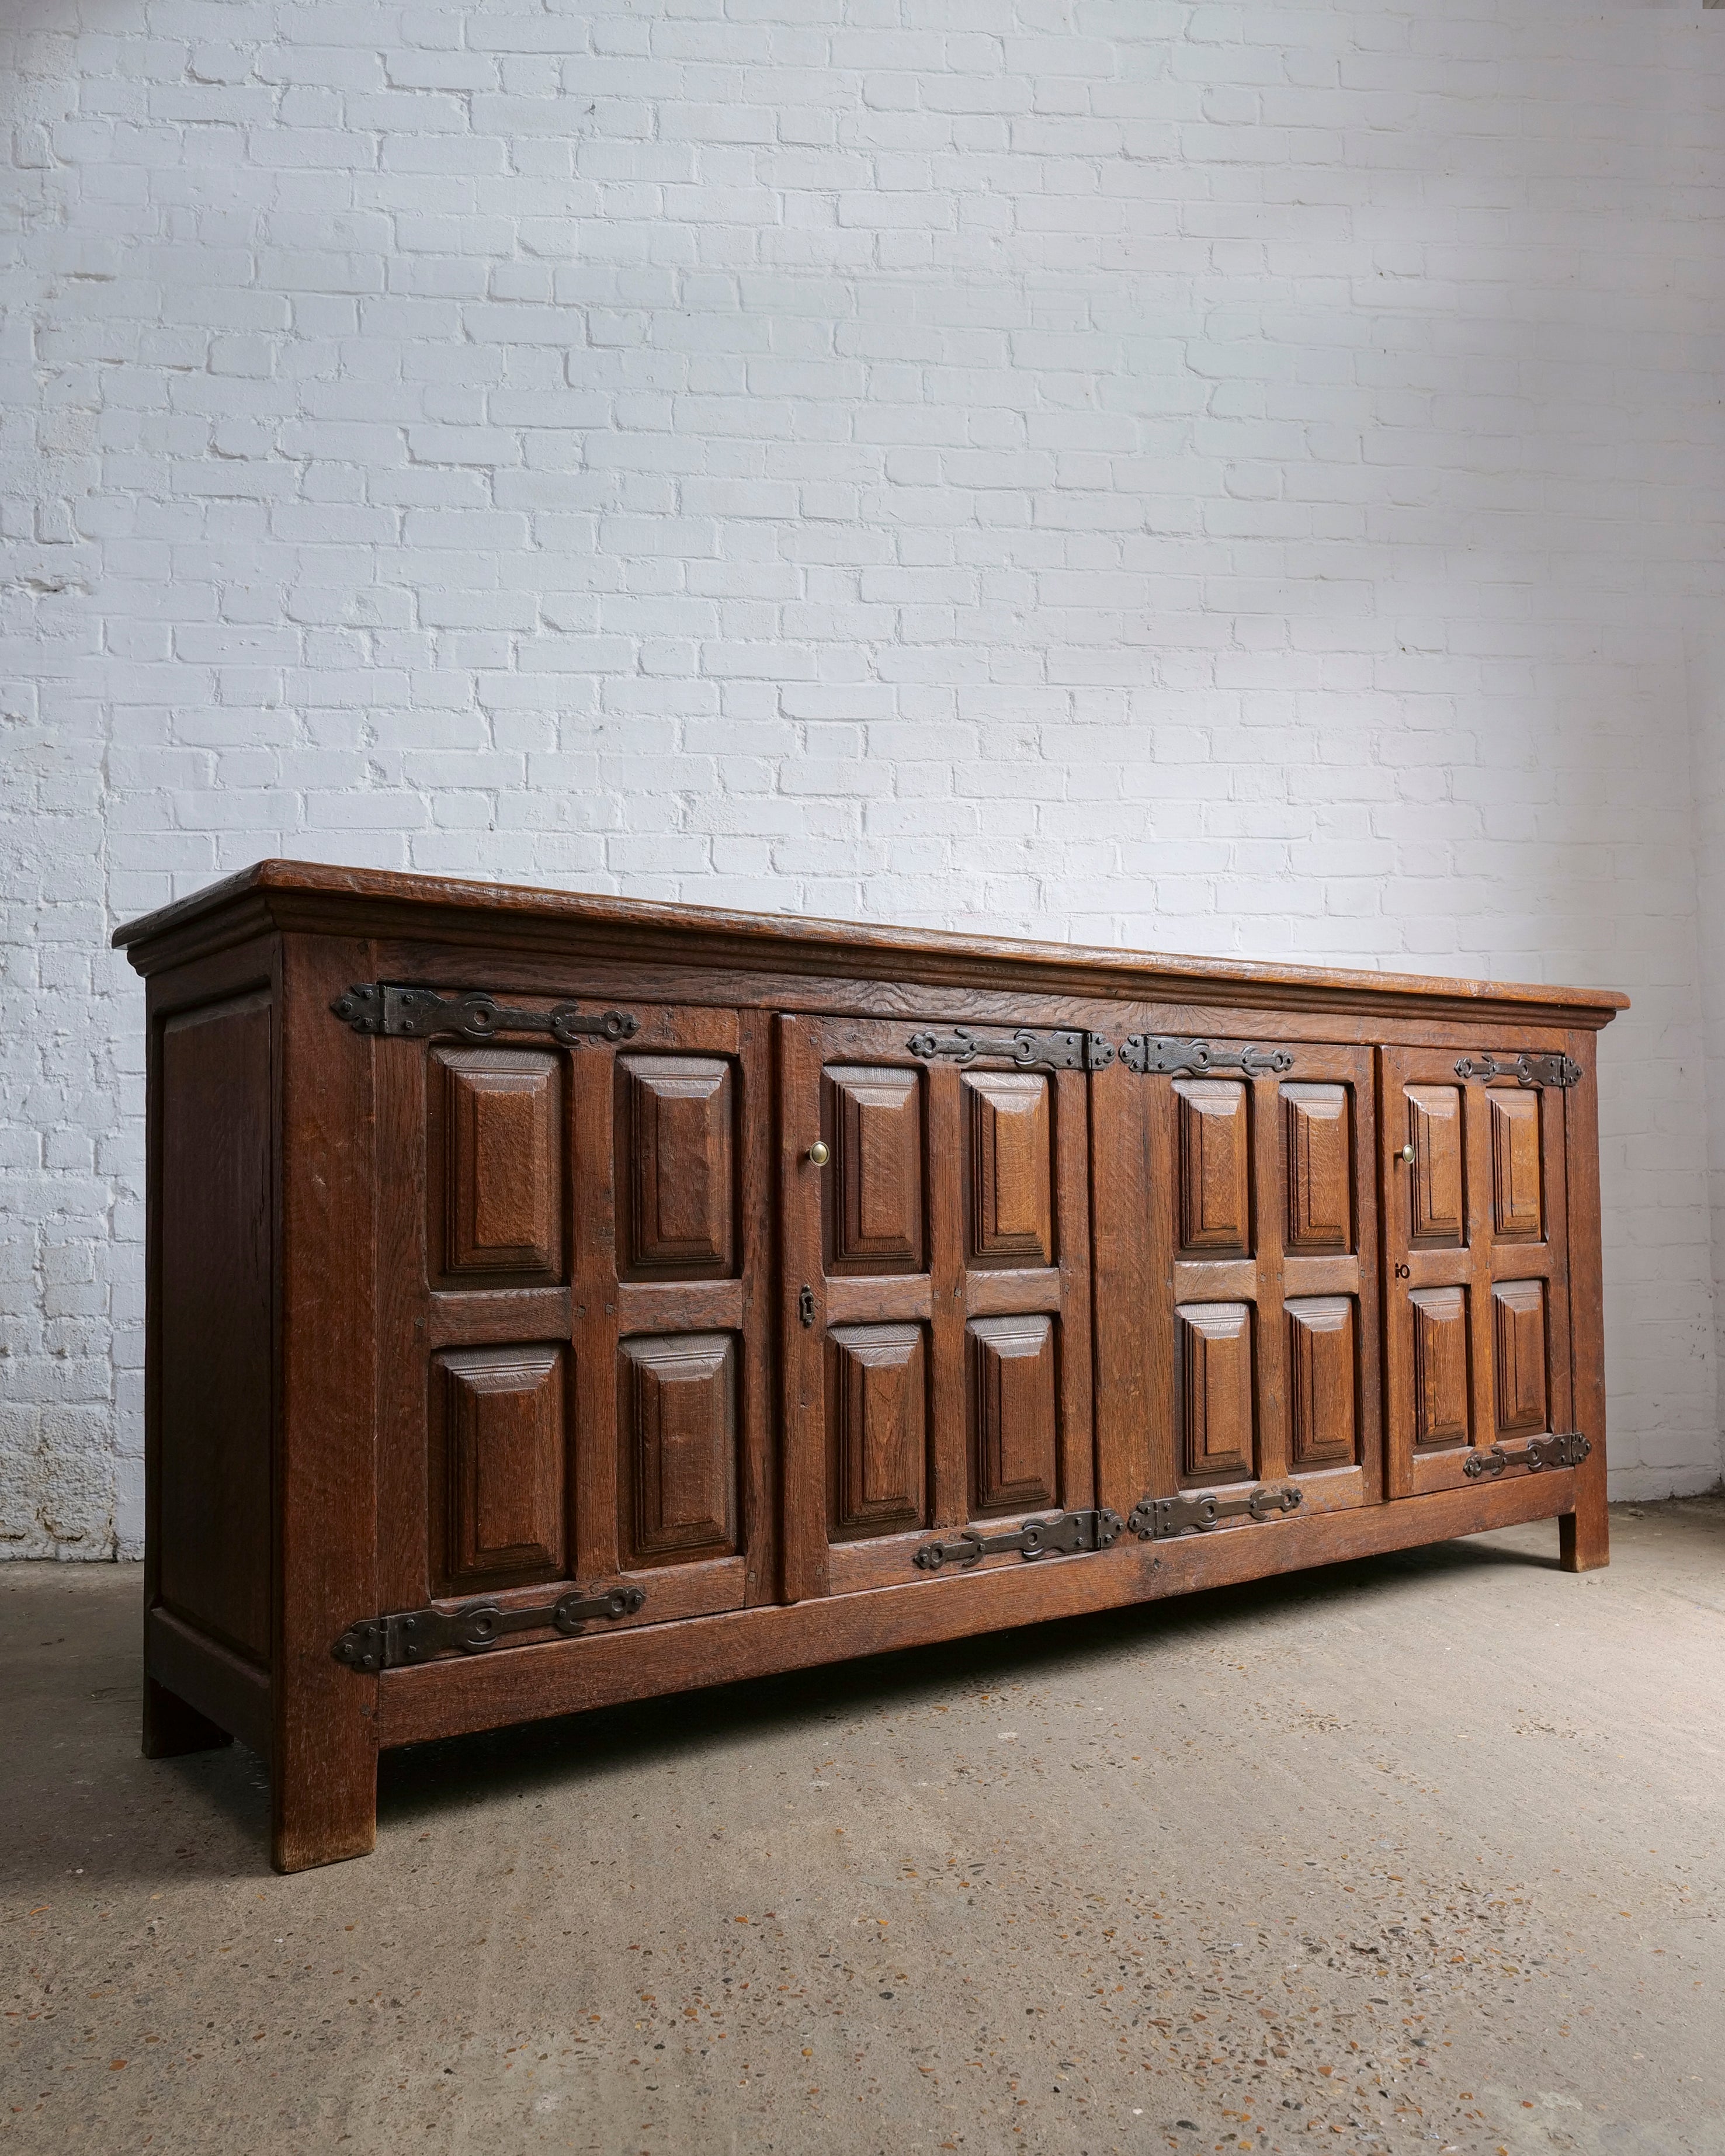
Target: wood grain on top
(310,897)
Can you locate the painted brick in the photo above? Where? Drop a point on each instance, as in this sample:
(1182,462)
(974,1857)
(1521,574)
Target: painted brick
(1106,479)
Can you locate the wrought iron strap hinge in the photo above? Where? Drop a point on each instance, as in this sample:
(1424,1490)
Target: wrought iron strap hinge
(1026,1048)
(1067,1535)
(416,1635)
(1157,1519)
(1567,1449)
(1532,1067)
(1164,1055)
(383,1008)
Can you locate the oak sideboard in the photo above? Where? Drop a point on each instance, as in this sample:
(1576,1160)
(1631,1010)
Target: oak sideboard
(555,1300)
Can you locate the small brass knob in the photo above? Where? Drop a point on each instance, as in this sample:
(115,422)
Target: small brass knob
(1406,1154)
(818,1155)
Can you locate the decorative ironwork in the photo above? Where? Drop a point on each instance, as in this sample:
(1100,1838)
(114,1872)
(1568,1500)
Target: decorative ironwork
(1066,1535)
(1165,1054)
(1567,1449)
(415,1635)
(1073,1049)
(1159,1519)
(384,1009)
(1532,1067)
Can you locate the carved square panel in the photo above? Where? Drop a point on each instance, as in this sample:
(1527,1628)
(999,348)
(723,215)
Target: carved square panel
(1008,1211)
(674,1172)
(873,1187)
(501,1187)
(1213,1345)
(1011,1413)
(1519,1355)
(498,1479)
(1517,1213)
(678,1431)
(1436,1194)
(1440,1383)
(877,1421)
(1215,1151)
(1321,1380)
(1317,1149)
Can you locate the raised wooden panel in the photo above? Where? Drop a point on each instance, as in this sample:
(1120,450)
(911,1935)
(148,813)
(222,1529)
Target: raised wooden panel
(877,1421)
(216,1303)
(502,1204)
(1214,1178)
(1519,1355)
(1009,1212)
(875,1181)
(1317,1146)
(501,1469)
(1214,1346)
(675,1173)
(679,1433)
(1321,1380)
(1437,1205)
(1441,1413)
(1011,1413)
(1517,1213)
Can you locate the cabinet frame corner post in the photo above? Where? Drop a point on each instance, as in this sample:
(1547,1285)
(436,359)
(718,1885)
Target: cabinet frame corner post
(1584,1533)
(325,1735)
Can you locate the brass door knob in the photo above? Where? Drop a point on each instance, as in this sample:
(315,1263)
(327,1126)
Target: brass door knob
(1406,1154)
(818,1155)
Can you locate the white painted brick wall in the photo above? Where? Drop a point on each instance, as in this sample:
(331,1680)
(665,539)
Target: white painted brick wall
(1231,477)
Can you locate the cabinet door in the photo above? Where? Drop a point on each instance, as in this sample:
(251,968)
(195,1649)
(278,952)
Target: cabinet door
(1477,1288)
(935,1282)
(1237,1276)
(574,1245)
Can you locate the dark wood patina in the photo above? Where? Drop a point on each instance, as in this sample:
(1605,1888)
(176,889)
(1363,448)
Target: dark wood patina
(555,1300)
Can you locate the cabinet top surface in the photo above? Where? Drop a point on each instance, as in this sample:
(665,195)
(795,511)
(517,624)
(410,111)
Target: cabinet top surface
(312,898)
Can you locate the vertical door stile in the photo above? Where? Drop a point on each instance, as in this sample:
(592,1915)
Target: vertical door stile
(1389,1182)
(1370,1310)
(1120,1211)
(1482,1312)
(1071,1222)
(404,1284)
(951,1439)
(802,1324)
(757,1465)
(593,1329)
(1160,1237)
(1555,1185)
(1268,1213)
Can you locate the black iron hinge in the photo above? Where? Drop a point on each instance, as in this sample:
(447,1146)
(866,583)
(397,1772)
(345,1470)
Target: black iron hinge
(1157,1055)
(1024,1048)
(415,1635)
(1066,1535)
(1532,1067)
(1567,1449)
(1157,1519)
(385,1009)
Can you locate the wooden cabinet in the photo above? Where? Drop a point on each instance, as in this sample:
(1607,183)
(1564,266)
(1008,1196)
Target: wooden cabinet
(556,1300)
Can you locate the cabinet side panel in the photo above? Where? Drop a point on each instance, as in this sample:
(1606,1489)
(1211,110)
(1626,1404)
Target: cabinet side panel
(217,1295)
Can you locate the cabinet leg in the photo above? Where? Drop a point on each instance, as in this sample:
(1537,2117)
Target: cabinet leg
(1584,1535)
(170,1727)
(322,1809)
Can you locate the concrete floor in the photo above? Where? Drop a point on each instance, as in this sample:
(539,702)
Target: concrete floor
(1424,1852)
